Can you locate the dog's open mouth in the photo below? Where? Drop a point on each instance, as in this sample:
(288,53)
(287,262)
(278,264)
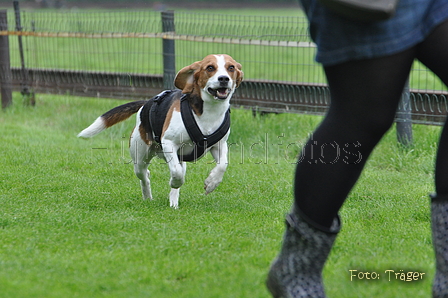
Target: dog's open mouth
(219,93)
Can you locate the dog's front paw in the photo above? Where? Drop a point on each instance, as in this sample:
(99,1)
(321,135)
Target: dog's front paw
(174,198)
(210,184)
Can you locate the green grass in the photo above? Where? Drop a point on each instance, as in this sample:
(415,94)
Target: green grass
(73,224)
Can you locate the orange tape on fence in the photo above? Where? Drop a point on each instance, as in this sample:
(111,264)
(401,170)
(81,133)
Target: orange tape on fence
(164,35)
(84,35)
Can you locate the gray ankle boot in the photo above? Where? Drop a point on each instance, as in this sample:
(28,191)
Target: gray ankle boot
(297,271)
(439,227)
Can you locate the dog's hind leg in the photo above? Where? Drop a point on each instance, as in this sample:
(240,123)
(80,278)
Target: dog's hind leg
(141,155)
(142,173)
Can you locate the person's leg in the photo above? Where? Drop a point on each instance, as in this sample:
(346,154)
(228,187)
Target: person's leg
(433,53)
(364,98)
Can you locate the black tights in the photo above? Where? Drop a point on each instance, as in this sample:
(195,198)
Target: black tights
(364,99)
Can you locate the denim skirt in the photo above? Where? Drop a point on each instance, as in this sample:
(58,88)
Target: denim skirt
(339,39)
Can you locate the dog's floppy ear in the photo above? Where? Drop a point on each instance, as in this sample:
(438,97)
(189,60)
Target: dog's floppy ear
(239,74)
(185,77)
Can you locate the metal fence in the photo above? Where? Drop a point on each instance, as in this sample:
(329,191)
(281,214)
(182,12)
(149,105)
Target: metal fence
(135,54)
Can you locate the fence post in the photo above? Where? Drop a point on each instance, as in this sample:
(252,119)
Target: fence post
(27,94)
(169,58)
(404,118)
(5,64)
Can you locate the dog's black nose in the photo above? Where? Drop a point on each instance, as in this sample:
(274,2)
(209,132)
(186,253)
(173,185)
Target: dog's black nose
(223,80)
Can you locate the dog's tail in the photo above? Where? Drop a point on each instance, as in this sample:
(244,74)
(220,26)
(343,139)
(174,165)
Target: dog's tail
(112,117)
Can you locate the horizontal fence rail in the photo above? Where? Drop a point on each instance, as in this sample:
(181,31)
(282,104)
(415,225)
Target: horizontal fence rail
(134,55)
(163,35)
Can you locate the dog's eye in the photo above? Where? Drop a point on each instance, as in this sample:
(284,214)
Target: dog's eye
(231,68)
(210,68)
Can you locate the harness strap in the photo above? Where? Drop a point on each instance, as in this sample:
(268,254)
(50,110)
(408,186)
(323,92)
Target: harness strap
(201,142)
(157,115)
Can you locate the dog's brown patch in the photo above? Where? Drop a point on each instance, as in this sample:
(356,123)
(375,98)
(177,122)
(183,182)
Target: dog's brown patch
(174,107)
(197,104)
(146,136)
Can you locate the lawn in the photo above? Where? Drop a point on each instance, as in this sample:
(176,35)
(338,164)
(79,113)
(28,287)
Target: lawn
(73,224)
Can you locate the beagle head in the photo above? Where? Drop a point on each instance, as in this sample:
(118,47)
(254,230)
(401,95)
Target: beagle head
(215,77)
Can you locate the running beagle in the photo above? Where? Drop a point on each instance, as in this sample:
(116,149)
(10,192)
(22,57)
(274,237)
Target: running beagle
(181,125)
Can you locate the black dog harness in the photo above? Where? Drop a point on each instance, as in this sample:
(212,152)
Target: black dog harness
(158,111)
(160,106)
